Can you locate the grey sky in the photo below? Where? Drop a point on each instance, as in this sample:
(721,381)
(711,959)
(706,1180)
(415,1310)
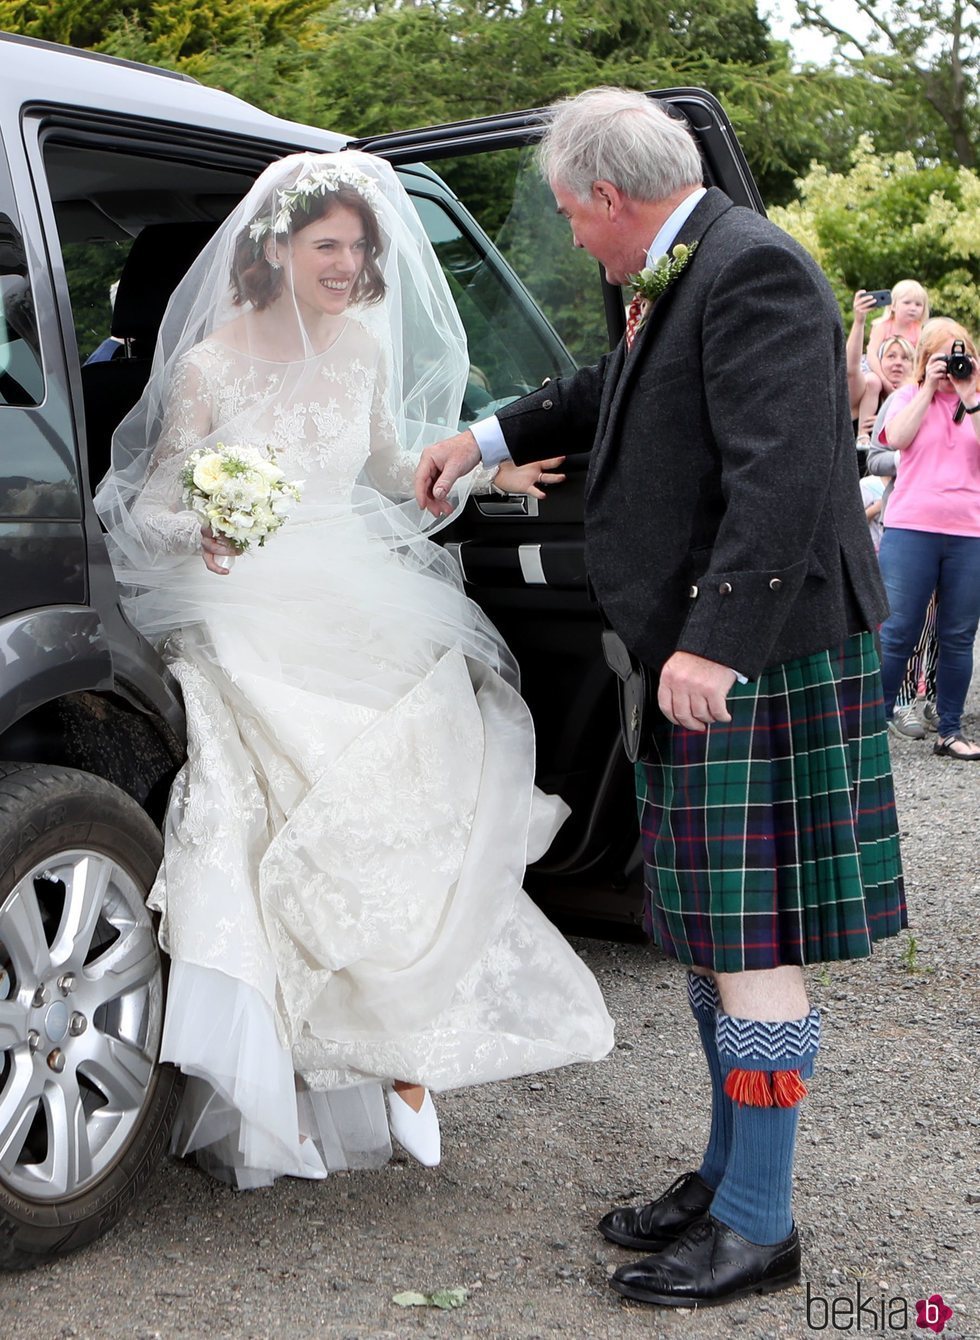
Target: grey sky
(807,44)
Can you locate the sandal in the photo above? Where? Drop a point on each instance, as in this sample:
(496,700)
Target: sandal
(944,746)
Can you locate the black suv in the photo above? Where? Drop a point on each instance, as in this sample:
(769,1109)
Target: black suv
(115,172)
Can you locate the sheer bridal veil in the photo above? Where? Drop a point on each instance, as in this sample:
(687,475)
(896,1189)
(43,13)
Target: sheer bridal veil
(238,287)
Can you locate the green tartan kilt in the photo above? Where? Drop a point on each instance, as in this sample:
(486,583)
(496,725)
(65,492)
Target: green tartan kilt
(773,839)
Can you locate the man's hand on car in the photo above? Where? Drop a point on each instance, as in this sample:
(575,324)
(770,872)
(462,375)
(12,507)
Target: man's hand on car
(439,468)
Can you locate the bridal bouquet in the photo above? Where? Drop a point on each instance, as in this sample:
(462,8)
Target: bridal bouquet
(240,493)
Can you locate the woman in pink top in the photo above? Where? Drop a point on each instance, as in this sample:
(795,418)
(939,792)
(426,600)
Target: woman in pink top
(932,527)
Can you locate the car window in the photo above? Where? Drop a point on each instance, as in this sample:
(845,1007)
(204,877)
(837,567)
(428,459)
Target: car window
(511,350)
(92,270)
(37,459)
(104,195)
(550,323)
(21,377)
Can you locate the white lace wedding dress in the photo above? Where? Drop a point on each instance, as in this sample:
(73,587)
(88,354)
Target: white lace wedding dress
(341,890)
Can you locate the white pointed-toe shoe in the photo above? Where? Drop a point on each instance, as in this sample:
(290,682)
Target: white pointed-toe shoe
(313,1167)
(416,1132)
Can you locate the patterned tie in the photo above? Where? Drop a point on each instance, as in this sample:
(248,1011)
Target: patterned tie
(634,316)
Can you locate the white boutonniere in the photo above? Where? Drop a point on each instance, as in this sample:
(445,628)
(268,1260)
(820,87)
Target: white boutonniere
(655,279)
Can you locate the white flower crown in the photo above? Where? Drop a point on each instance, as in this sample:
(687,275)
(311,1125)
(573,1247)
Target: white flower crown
(321,181)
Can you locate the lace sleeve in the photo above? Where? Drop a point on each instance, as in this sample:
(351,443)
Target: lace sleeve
(166,525)
(391,470)
(483,477)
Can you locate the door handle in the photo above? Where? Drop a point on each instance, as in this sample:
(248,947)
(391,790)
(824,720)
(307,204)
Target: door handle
(532,569)
(512,504)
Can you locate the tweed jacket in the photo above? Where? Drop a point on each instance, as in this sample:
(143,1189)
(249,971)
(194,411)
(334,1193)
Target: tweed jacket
(723,514)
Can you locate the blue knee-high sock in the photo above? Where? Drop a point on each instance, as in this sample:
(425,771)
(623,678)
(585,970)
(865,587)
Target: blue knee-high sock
(764,1064)
(702,996)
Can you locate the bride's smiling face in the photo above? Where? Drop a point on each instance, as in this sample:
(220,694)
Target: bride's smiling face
(324,260)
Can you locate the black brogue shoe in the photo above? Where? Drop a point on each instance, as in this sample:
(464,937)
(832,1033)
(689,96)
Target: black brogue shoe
(710,1264)
(651,1227)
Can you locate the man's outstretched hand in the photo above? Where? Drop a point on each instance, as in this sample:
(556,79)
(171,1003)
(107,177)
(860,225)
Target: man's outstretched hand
(439,468)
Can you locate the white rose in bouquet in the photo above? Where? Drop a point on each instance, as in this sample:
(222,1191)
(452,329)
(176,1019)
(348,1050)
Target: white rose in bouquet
(208,472)
(269,471)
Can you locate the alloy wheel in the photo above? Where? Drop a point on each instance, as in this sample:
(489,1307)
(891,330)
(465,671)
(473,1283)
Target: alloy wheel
(81,1014)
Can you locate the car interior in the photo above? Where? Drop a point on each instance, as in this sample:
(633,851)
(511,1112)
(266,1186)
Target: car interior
(160,255)
(138,221)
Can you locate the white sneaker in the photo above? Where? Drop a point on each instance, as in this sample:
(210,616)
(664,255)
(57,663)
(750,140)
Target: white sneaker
(416,1132)
(904,722)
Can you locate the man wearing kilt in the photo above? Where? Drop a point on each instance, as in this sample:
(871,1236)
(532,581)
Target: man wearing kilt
(728,549)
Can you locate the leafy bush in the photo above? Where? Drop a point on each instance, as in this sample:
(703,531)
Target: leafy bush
(887,219)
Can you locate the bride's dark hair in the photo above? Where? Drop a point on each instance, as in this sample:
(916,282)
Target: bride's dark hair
(254,280)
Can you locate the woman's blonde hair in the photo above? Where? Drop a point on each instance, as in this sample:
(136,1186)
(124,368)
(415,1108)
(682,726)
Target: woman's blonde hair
(903,343)
(909,288)
(935,333)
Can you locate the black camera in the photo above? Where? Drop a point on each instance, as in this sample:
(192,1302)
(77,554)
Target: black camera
(959,364)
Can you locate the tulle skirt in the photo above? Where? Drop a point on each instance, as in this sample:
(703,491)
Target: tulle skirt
(341,887)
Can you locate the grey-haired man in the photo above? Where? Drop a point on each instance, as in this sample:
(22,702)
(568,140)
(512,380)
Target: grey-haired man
(727,546)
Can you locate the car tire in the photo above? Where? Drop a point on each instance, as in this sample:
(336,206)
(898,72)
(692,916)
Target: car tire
(86,1108)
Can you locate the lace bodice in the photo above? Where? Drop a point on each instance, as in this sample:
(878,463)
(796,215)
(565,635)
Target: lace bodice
(326,418)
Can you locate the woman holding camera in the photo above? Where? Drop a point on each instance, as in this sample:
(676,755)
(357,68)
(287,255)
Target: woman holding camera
(932,535)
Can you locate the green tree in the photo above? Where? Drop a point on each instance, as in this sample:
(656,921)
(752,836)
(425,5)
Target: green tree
(888,218)
(925,54)
(396,63)
(178,29)
(279,72)
(440,61)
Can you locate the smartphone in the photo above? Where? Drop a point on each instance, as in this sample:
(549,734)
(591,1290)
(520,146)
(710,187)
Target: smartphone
(882,296)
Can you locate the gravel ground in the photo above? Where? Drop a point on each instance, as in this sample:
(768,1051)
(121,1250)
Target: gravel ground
(888,1171)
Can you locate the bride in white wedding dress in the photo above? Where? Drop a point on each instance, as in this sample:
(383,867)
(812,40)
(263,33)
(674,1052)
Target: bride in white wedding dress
(341,892)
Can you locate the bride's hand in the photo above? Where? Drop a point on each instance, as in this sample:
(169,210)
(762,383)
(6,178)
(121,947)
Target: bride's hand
(511,478)
(213,548)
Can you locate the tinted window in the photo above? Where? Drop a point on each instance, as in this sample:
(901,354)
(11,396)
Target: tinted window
(38,476)
(21,378)
(42,548)
(92,270)
(509,353)
(502,189)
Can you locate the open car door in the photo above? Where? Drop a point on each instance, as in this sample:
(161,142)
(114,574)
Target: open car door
(534,309)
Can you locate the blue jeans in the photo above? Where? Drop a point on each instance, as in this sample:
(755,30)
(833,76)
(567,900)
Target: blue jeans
(914,563)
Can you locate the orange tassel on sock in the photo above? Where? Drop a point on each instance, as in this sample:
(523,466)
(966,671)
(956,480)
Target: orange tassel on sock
(763,1088)
(751,1088)
(788,1088)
